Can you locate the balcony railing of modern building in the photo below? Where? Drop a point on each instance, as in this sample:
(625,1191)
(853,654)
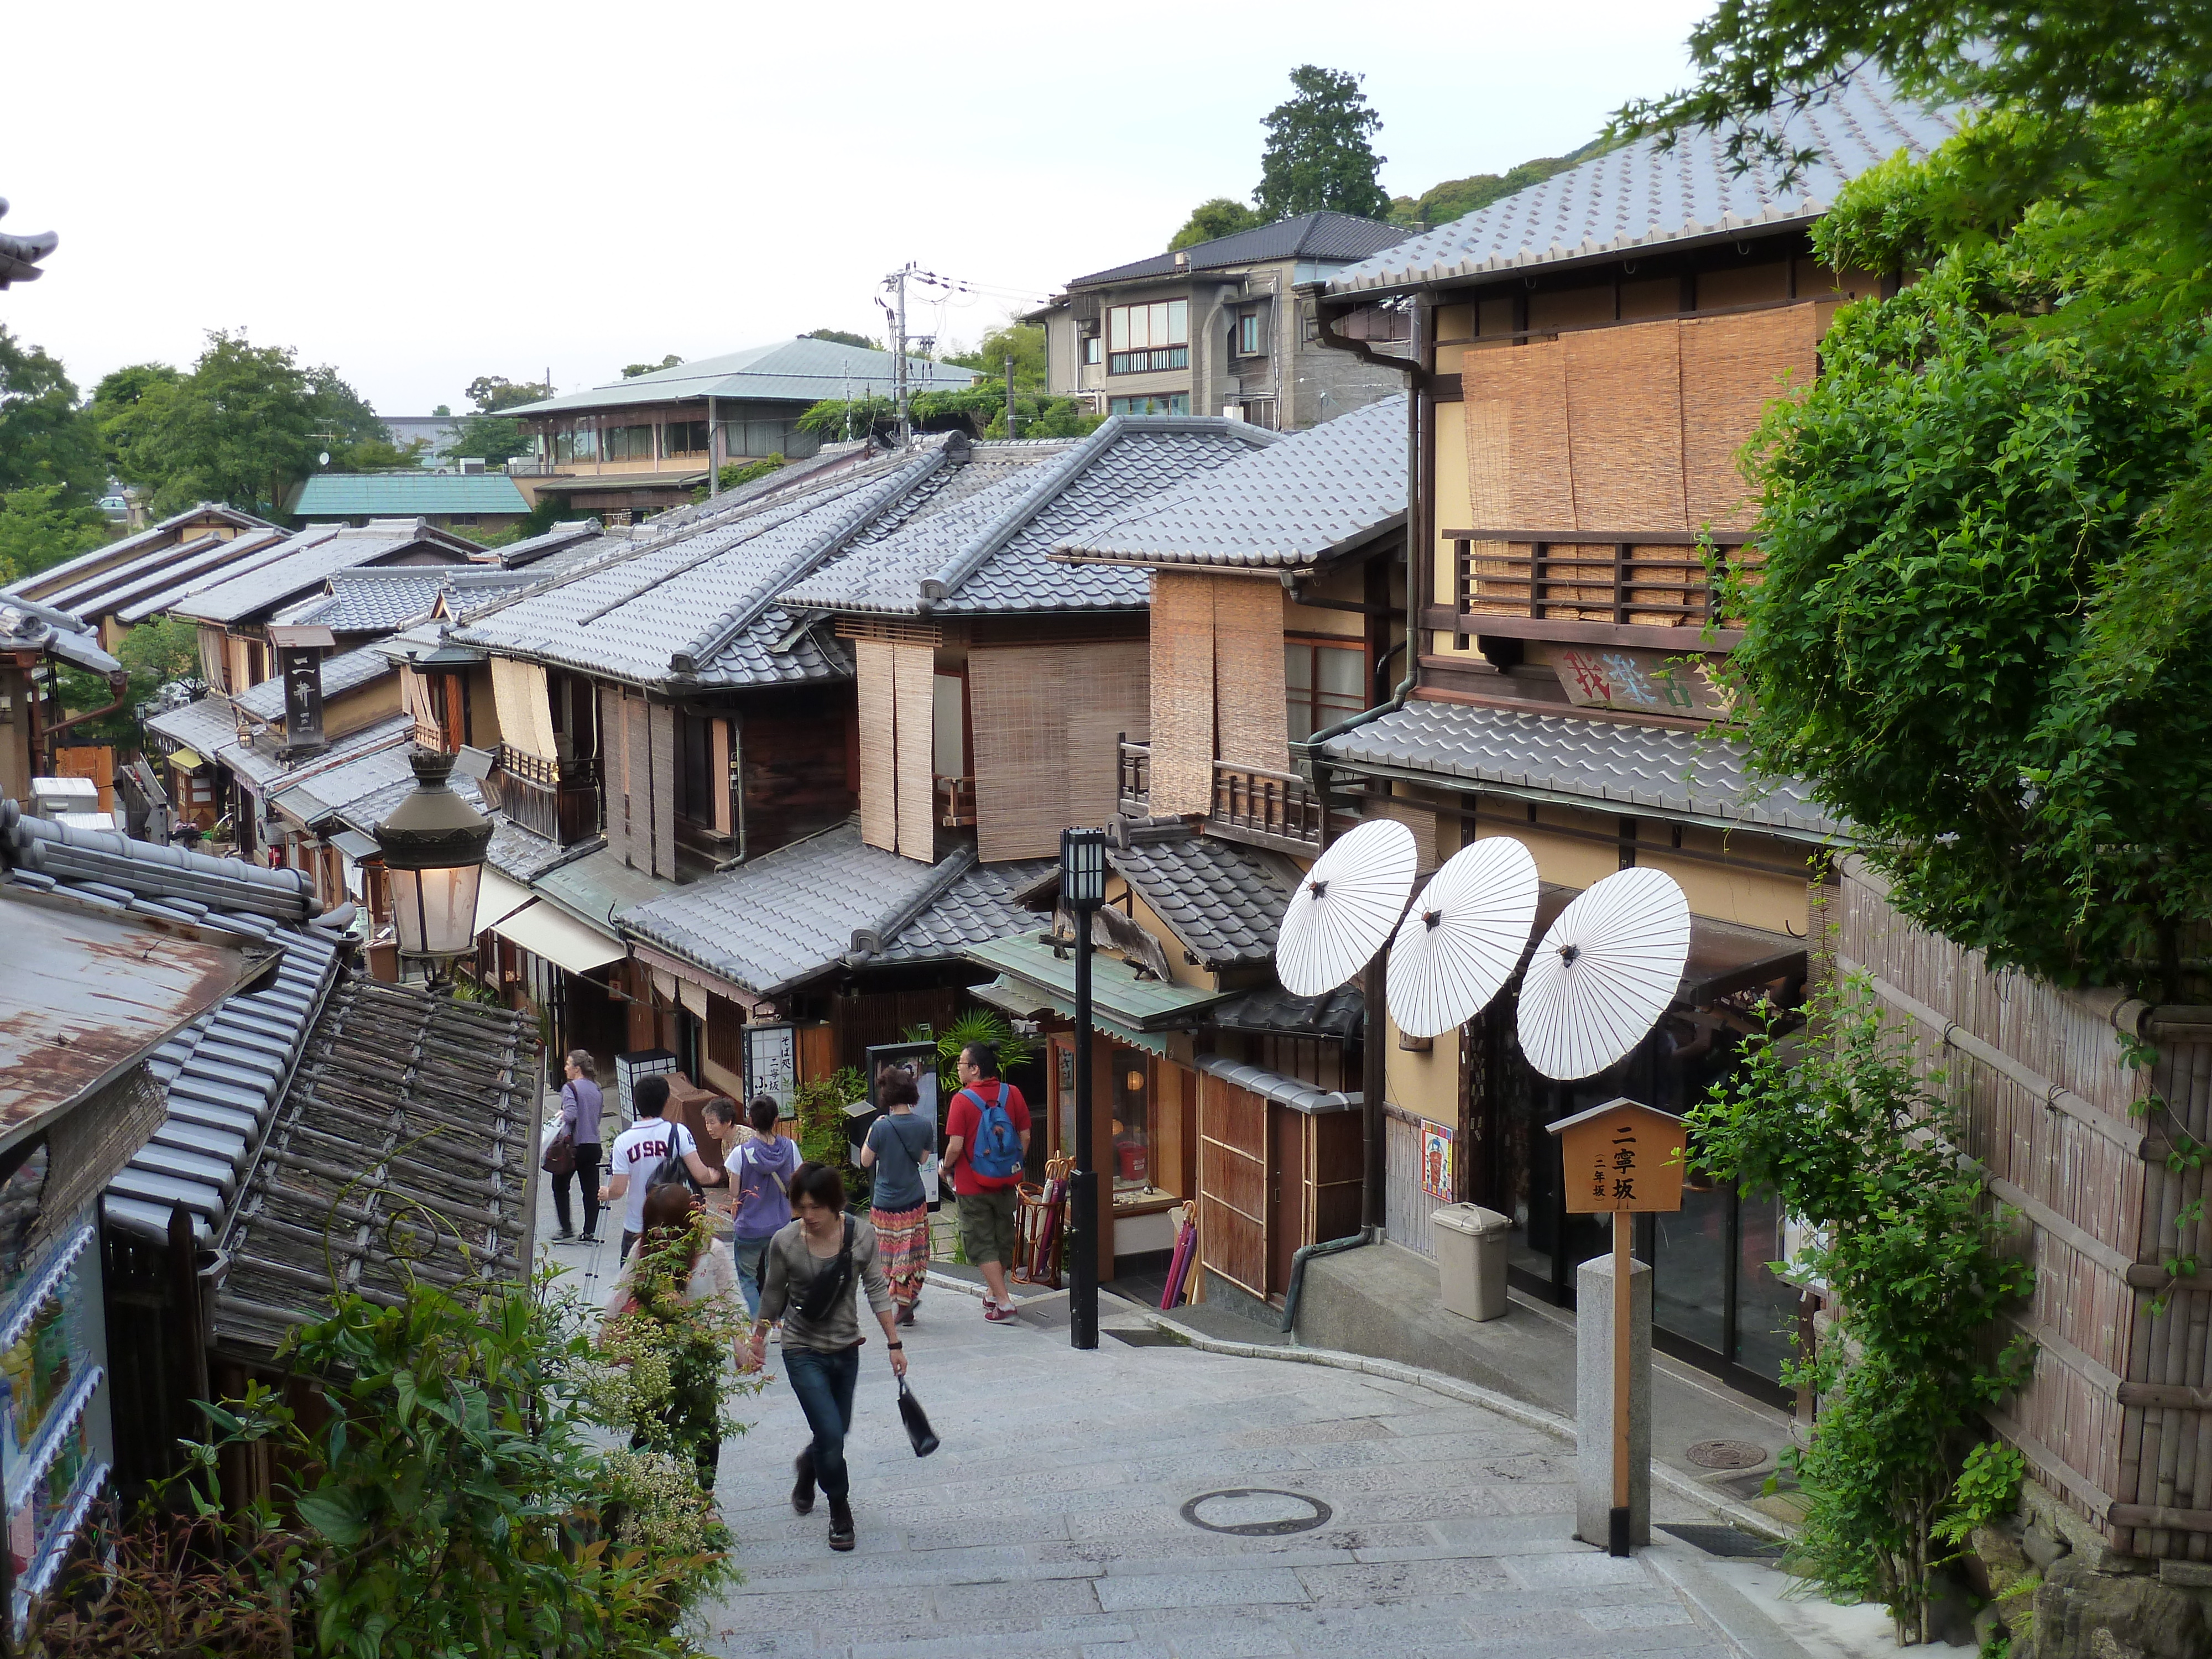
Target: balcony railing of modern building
(1591,586)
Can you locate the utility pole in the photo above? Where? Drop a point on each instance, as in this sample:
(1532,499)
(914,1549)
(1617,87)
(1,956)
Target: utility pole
(896,281)
(1010,399)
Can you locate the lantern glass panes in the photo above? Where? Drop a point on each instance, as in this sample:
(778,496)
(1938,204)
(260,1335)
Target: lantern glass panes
(1083,867)
(436,910)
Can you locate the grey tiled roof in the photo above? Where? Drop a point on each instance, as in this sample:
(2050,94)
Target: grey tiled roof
(372,601)
(629,616)
(120,560)
(310,558)
(381,772)
(990,552)
(206,724)
(981,905)
(197,566)
(139,873)
(1291,504)
(792,913)
(267,774)
(1338,1013)
(1557,757)
(1222,900)
(1640,195)
(1321,237)
(349,671)
(531,548)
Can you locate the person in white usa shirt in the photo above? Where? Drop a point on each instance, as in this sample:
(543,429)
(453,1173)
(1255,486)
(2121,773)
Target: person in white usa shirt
(642,1148)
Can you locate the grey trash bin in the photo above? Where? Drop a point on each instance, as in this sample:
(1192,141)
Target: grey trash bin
(1471,1258)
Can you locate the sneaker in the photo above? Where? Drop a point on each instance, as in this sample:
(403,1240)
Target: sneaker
(802,1491)
(564,1236)
(841,1525)
(999,1316)
(588,1238)
(905,1313)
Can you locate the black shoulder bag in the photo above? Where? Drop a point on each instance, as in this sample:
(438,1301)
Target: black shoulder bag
(830,1283)
(673,1170)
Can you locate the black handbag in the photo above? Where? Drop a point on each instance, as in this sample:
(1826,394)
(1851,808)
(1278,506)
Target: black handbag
(675,1169)
(917,1422)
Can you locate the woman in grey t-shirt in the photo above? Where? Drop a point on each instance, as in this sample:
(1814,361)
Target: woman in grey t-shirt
(900,1147)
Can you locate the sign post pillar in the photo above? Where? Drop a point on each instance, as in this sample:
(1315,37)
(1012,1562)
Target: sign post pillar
(1621,1159)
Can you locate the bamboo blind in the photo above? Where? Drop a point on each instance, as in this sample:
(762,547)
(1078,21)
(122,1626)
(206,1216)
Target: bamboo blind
(1638,427)
(1181,714)
(415,698)
(914,697)
(1046,720)
(526,714)
(637,756)
(1251,707)
(874,670)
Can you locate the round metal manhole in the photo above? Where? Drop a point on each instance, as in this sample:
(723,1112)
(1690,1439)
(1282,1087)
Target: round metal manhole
(1727,1454)
(1256,1513)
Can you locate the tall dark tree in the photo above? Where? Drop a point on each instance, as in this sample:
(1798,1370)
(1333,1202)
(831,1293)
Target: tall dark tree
(1318,156)
(118,406)
(491,393)
(631,371)
(843,337)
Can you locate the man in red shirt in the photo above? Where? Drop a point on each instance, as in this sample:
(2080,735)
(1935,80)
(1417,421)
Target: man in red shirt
(986,1201)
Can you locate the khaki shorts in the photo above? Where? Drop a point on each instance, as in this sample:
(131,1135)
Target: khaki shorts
(987,1225)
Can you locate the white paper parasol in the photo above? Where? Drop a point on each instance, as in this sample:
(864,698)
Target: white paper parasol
(1344,908)
(1464,936)
(1604,974)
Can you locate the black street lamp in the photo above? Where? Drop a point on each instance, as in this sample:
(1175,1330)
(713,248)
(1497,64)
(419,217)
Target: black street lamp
(434,845)
(1083,890)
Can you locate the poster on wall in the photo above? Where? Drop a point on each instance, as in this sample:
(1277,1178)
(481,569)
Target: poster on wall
(1436,1162)
(772,1063)
(921,1057)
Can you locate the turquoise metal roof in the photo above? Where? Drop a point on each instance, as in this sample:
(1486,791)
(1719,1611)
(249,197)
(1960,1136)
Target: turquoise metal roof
(1116,993)
(402,495)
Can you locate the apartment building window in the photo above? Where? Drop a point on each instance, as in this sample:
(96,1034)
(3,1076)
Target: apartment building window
(1326,681)
(696,783)
(1148,338)
(577,444)
(1162,402)
(1249,343)
(629,443)
(1260,411)
(1091,345)
(687,437)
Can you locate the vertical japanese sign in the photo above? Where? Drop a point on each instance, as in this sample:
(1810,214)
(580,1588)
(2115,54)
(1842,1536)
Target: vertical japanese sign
(772,1063)
(301,667)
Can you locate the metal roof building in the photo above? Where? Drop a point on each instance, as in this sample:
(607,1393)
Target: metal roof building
(800,372)
(436,495)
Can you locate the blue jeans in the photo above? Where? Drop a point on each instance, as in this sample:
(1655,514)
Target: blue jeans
(823,1380)
(748,1253)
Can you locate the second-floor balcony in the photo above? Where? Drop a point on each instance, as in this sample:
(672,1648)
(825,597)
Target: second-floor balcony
(1254,805)
(1591,586)
(558,799)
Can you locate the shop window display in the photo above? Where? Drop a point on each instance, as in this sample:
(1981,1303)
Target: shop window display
(53,1413)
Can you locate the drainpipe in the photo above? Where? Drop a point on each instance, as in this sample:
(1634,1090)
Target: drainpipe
(1368,1234)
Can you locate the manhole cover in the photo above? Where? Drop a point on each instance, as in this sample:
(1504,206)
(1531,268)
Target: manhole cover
(1727,1454)
(1256,1513)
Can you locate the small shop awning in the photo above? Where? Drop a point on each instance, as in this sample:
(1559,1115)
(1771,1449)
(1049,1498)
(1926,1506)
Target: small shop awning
(189,759)
(498,898)
(357,847)
(1299,1096)
(1015,998)
(1118,995)
(543,931)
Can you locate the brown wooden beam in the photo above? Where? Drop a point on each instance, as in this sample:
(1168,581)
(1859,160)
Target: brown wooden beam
(1499,625)
(1600,538)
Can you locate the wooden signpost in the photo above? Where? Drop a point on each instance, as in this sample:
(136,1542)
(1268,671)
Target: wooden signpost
(1620,1158)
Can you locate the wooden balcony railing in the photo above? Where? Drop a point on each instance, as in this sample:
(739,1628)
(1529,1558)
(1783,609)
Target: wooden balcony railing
(955,803)
(1596,586)
(558,799)
(1277,810)
(1134,790)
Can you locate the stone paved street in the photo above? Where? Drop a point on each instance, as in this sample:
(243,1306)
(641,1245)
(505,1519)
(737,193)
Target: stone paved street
(1050,1522)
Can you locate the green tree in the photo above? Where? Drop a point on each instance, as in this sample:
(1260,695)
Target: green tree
(442,412)
(378,455)
(497,438)
(492,392)
(1455,199)
(1318,156)
(1983,625)
(244,426)
(842,337)
(1216,216)
(119,403)
(1023,342)
(38,530)
(631,371)
(156,653)
(45,437)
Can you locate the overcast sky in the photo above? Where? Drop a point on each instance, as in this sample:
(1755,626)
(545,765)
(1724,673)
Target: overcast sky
(421,194)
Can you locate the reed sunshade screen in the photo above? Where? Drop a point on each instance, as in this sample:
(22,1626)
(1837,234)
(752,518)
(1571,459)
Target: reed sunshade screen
(1638,426)
(614,767)
(1217,690)
(1047,719)
(898,783)
(526,714)
(416,698)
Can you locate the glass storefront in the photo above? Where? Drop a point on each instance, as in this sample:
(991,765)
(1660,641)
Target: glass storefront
(1716,1303)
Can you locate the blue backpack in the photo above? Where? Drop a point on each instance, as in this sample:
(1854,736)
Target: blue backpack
(997,1152)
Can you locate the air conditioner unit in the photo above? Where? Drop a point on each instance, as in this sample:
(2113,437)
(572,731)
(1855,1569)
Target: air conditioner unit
(1232,411)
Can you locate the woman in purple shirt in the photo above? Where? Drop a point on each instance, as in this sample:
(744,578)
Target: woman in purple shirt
(760,1175)
(580,1105)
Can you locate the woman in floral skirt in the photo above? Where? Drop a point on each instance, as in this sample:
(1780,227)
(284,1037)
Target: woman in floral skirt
(899,1147)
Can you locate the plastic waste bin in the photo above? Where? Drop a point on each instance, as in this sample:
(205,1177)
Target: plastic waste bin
(1471,1258)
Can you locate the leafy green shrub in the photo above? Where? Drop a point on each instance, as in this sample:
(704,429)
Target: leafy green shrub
(1912,1257)
(821,1102)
